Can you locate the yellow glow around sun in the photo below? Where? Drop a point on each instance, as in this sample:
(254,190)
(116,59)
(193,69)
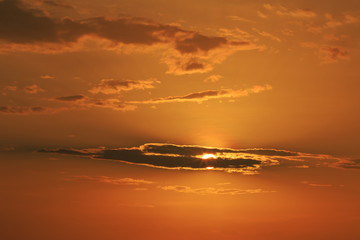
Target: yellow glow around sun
(208,156)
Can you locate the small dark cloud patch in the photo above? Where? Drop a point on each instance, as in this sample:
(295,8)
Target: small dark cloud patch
(65,151)
(71,98)
(194,66)
(23,109)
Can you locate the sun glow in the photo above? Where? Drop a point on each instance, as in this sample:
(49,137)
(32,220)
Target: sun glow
(208,156)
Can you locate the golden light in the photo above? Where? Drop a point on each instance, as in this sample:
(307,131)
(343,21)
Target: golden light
(208,156)
(209,168)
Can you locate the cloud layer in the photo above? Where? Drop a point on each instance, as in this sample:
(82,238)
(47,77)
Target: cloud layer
(29,29)
(189,157)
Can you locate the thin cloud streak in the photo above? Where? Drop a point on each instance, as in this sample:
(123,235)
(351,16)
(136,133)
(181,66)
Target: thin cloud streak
(207,95)
(296,13)
(212,190)
(111,86)
(110,180)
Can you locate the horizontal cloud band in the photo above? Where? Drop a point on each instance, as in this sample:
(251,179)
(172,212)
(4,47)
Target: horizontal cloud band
(190,157)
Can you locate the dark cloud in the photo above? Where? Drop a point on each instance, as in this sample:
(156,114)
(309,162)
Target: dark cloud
(171,156)
(23,110)
(66,151)
(71,98)
(190,157)
(28,29)
(190,66)
(136,156)
(198,150)
(21,26)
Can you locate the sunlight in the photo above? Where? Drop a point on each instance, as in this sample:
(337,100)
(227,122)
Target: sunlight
(208,156)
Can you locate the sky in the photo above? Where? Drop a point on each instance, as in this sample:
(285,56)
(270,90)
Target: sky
(179,119)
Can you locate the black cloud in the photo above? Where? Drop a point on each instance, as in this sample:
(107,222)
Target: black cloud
(70,98)
(171,156)
(189,157)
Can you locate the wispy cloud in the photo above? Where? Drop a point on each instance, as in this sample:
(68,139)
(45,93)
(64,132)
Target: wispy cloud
(33,89)
(207,95)
(10,88)
(261,14)
(350,164)
(110,180)
(47,77)
(332,22)
(268,35)
(85,102)
(111,86)
(316,184)
(240,19)
(328,54)
(213,78)
(212,190)
(283,11)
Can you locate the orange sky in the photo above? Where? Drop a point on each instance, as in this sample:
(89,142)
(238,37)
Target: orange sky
(107,108)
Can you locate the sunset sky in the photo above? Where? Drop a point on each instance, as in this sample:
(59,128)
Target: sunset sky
(201,119)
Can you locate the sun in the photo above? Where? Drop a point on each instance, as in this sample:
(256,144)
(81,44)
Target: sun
(208,156)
